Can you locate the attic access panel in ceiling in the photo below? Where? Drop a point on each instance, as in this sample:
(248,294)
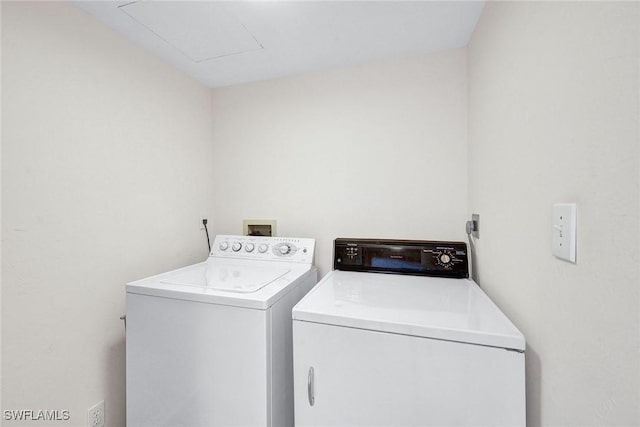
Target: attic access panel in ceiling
(202,31)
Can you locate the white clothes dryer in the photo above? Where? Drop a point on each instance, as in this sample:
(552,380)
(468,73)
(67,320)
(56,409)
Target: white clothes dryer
(209,345)
(420,346)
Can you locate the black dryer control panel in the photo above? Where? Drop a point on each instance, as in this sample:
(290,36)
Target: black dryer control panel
(417,257)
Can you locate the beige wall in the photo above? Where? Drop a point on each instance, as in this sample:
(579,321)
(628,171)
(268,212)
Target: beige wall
(106,155)
(372,151)
(554,117)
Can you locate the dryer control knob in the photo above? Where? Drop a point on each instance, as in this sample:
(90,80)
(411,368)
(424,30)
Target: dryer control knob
(236,246)
(263,248)
(445,258)
(249,247)
(223,246)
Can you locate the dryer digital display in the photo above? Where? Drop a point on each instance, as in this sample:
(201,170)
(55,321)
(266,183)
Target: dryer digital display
(392,258)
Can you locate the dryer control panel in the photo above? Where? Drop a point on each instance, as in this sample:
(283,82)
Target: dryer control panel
(418,257)
(264,248)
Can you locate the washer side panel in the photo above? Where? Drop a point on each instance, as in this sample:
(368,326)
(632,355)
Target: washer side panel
(195,364)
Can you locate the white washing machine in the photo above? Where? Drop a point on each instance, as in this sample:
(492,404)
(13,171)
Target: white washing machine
(210,344)
(420,346)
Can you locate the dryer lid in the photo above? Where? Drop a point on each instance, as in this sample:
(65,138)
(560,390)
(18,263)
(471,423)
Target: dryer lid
(439,308)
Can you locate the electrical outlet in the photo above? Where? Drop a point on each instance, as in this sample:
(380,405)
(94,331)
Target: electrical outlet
(476,225)
(200,218)
(473,227)
(95,415)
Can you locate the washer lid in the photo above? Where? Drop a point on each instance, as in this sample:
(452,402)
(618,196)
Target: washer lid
(439,308)
(227,277)
(234,282)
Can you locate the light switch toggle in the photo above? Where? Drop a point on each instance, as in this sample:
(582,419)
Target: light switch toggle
(564,231)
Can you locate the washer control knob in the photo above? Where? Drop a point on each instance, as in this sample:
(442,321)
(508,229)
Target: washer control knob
(224,246)
(284,249)
(236,246)
(263,248)
(445,258)
(249,247)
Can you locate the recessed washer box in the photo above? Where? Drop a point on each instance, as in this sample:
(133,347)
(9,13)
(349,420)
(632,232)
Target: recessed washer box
(259,227)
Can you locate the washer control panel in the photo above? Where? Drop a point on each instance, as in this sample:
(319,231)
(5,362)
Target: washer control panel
(264,248)
(418,257)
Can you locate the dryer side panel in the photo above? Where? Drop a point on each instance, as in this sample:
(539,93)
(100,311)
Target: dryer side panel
(365,378)
(282,353)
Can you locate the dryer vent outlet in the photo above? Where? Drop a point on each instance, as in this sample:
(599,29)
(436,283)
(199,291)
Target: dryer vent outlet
(95,415)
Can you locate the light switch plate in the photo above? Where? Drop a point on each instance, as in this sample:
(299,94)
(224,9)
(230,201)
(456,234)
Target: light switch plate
(564,227)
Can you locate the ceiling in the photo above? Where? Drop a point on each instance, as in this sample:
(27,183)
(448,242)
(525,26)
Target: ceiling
(222,43)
